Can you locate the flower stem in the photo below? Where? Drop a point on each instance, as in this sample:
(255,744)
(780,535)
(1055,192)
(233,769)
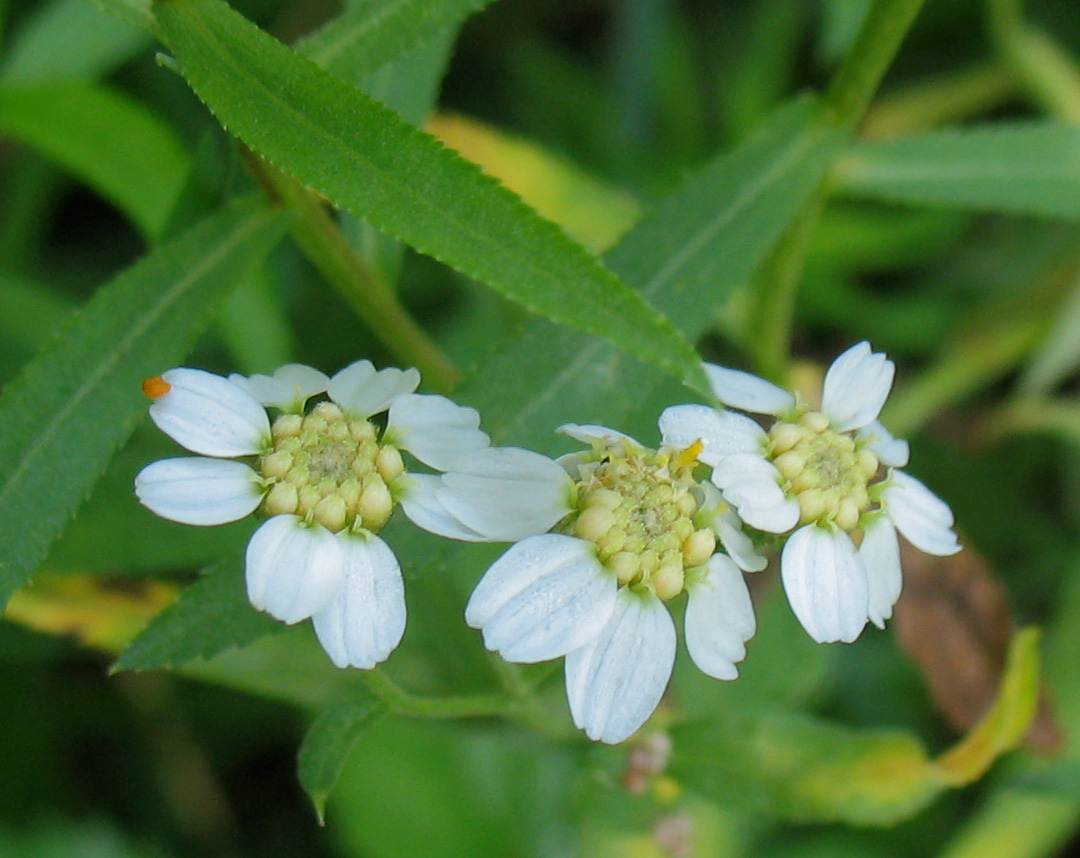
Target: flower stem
(1037,61)
(319,237)
(845,102)
(524,708)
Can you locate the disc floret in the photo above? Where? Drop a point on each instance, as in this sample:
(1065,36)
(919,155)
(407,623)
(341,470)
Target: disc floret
(827,471)
(330,470)
(638,506)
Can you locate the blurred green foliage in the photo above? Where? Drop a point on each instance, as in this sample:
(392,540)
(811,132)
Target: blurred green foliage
(698,148)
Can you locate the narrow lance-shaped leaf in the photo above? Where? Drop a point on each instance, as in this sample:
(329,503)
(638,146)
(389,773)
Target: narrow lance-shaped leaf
(210,616)
(686,256)
(1031,169)
(67,412)
(327,745)
(363,39)
(366,159)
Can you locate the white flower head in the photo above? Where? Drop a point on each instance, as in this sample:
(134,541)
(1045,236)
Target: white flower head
(830,478)
(604,538)
(326,478)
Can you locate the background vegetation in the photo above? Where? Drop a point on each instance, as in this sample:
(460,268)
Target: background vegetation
(777,178)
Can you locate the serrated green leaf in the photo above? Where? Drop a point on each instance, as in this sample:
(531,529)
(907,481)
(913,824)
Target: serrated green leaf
(368,160)
(71,407)
(687,256)
(369,35)
(70,39)
(210,616)
(104,139)
(1018,169)
(327,744)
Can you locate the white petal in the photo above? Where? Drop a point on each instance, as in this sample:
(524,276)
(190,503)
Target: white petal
(506,493)
(293,571)
(880,553)
(419,499)
(543,598)
(210,415)
(723,433)
(361,391)
(752,485)
(736,543)
(924,519)
(615,682)
(589,433)
(856,386)
(890,451)
(719,619)
(825,583)
(363,624)
(199,491)
(289,388)
(434,429)
(748,392)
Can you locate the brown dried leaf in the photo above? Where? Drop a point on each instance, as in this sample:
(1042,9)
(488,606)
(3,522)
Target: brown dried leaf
(955,622)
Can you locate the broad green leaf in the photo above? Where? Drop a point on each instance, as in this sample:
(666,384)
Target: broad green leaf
(368,160)
(70,39)
(210,616)
(371,34)
(71,407)
(802,768)
(1029,169)
(428,788)
(805,769)
(327,744)
(104,139)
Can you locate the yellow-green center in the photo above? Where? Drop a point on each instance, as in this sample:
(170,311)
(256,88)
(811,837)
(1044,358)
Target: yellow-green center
(638,510)
(330,470)
(827,471)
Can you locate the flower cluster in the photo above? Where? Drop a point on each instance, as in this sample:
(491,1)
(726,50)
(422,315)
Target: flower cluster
(603,538)
(326,480)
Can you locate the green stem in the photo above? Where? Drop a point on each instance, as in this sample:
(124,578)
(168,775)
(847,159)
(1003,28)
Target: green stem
(524,709)
(1047,71)
(319,237)
(846,100)
(857,80)
(401,702)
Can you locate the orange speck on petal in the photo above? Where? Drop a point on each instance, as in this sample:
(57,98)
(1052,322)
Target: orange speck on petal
(155,386)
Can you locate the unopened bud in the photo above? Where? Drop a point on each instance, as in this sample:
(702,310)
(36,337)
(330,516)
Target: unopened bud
(281,500)
(667,581)
(625,565)
(698,547)
(389,464)
(330,512)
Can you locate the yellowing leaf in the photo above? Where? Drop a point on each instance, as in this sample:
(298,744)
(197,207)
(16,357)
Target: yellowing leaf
(590,211)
